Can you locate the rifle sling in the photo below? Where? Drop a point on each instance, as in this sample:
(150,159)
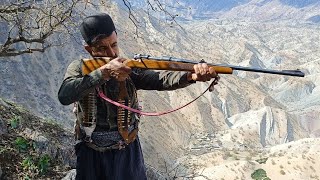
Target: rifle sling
(120,105)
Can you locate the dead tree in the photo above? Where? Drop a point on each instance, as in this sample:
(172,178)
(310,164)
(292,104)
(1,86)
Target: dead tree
(26,25)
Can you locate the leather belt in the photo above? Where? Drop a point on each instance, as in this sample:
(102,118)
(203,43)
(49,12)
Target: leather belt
(110,140)
(118,146)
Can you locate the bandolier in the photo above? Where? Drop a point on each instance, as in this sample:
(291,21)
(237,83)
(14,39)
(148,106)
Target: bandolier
(104,126)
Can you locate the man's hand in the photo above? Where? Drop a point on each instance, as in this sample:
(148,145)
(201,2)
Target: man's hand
(202,72)
(115,69)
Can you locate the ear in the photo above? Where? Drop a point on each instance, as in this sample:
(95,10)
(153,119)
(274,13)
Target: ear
(89,49)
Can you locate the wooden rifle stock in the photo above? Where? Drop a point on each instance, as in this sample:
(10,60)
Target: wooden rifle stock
(176,64)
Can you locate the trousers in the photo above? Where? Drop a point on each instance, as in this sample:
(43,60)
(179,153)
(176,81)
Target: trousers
(123,164)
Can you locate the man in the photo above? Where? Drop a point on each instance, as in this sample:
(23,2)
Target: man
(109,146)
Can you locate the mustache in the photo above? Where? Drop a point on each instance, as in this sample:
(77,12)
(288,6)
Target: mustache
(115,56)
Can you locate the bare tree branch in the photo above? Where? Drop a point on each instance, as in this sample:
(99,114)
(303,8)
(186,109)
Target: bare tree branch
(173,17)
(12,52)
(157,7)
(29,25)
(15,10)
(131,16)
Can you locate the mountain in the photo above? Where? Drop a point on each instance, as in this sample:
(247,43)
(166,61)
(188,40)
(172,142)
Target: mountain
(299,4)
(258,10)
(275,10)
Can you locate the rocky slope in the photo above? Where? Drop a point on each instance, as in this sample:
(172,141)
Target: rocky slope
(32,147)
(294,160)
(35,148)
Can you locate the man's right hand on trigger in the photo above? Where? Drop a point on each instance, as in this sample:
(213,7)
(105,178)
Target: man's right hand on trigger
(115,69)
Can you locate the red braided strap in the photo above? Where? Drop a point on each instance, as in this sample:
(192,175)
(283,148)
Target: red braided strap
(100,93)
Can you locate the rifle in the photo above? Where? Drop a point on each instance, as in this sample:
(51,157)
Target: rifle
(177,64)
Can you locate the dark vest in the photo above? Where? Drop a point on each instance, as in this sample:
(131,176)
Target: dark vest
(106,113)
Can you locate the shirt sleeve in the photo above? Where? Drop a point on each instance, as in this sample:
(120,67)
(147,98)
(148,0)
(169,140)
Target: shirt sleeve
(159,80)
(75,86)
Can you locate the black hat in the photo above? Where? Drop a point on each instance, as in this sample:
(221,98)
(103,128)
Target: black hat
(93,26)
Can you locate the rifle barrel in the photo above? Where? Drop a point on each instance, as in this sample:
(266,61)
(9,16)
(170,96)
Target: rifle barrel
(297,73)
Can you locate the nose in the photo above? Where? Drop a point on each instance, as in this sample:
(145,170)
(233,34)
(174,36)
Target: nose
(110,52)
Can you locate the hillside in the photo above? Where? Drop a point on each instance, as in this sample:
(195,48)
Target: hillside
(32,147)
(35,148)
(295,160)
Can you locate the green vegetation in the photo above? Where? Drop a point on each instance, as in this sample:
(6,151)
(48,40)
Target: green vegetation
(260,174)
(21,144)
(36,164)
(43,164)
(33,164)
(28,164)
(15,121)
(262,160)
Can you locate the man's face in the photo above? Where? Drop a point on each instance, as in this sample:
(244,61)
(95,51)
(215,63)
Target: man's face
(106,47)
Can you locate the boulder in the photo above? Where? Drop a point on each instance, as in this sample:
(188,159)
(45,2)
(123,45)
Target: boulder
(3,127)
(71,175)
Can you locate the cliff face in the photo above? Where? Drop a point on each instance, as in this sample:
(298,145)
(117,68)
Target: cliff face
(33,81)
(247,117)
